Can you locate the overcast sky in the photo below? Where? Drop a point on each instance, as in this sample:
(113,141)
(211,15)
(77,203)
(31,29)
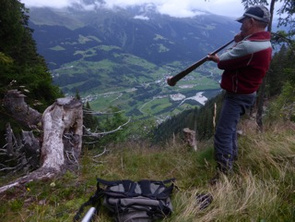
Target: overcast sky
(178,8)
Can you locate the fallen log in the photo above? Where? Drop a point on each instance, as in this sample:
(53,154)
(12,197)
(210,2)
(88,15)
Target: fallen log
(14,103)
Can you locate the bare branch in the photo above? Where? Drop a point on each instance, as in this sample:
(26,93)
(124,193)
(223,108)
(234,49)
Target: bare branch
(98,135)
(9,168)
(91,112)
(99,162)
(91,143)
(103,152)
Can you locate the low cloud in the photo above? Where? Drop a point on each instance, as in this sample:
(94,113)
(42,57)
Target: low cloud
(141,17)
(175,8)
(50,3)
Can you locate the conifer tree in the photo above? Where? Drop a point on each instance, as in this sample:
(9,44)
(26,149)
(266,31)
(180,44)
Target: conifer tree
(21,67)
(27,68)
(276,78)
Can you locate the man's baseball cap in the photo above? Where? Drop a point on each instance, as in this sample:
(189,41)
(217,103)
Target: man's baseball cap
(258,12)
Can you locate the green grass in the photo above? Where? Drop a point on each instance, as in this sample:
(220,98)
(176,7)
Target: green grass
(262,188)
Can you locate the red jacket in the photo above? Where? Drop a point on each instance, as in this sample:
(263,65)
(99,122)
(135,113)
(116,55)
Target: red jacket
(246,64)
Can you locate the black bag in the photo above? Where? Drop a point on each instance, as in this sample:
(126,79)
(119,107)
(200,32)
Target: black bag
(129,201)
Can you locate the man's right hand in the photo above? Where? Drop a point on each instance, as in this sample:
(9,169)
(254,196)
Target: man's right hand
(238,37)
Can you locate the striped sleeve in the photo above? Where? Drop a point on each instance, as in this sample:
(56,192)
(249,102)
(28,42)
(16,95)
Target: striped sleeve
(245,48)
(241,55)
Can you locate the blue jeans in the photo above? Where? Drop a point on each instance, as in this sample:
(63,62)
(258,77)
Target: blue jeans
(225,138)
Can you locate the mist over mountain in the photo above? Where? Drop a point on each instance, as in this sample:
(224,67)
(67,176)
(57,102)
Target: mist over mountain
(124,50)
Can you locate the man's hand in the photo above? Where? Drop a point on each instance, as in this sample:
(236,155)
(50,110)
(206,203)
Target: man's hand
(238,37)
(213,57)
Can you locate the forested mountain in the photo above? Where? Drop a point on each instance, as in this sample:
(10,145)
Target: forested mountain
(122,57)
(156,38)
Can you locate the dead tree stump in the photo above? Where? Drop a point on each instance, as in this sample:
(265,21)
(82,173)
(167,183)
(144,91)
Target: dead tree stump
(62,119)
(62,136)
(190,136)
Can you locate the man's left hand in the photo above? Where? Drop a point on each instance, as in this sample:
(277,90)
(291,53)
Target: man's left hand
(213,57)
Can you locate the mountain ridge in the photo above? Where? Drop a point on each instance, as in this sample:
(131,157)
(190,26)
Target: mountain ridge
(112,26)
(114,52)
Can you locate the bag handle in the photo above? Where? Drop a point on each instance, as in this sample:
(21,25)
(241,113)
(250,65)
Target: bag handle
(93,200)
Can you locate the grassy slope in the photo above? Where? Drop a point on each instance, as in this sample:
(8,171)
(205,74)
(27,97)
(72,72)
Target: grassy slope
(262,189)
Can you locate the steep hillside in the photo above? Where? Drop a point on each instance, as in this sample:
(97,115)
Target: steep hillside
(262,188)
